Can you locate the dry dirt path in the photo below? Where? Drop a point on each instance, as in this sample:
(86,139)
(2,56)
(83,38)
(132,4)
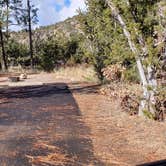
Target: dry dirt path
(71,124)
(42,125)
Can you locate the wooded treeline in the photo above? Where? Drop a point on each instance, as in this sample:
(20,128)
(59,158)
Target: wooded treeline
(15,12)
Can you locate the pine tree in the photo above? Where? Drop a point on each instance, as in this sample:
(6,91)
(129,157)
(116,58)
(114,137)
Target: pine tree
(8,9)
(30,32)
(26,18)
(2,22)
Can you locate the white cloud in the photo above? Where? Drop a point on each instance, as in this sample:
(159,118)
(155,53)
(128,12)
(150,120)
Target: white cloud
(72,9)
(48,14)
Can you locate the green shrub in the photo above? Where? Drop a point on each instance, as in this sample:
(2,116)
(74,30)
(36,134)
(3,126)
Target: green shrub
(131,75)
(53,52)
(17,53)
(49,55)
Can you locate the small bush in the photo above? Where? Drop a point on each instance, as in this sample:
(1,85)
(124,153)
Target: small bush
(49,55)
(17,53)
(131,75)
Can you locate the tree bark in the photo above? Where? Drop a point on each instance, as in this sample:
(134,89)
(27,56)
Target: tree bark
(7,26)
(7,19)
(3,59)
(30,33)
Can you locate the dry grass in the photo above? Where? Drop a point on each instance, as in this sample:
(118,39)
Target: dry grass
(80,73)
(19,69)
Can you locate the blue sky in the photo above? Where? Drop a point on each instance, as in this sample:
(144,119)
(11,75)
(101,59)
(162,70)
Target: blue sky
(59,7)
(52,11)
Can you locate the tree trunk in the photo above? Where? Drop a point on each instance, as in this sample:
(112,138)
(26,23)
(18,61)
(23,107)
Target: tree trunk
(7,19)
(3,59)
(30,34)
(153,87)
(7,26)
(148,96)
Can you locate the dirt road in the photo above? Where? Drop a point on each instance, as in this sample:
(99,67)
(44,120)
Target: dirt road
(42,125)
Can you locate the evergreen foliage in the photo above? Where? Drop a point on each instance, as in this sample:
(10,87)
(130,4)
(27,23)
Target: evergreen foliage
(107,44)
(17,54)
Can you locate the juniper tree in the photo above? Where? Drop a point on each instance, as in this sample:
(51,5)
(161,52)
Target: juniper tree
(115,26)
(102,37)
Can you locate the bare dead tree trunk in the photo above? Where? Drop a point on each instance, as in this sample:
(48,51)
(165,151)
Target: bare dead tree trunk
(3,59)
(153,87)
(30,33)
(148,96)
(151,78)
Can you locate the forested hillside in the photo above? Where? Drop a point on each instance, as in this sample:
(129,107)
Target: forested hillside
(52,45)
(66,28)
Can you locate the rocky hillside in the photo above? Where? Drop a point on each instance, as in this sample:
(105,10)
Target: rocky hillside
(66,28)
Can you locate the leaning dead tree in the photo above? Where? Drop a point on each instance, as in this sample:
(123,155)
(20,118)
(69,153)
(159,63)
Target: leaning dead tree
(147,73)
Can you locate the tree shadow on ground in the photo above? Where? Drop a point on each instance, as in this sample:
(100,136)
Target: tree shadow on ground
(85,88)
(43,126)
